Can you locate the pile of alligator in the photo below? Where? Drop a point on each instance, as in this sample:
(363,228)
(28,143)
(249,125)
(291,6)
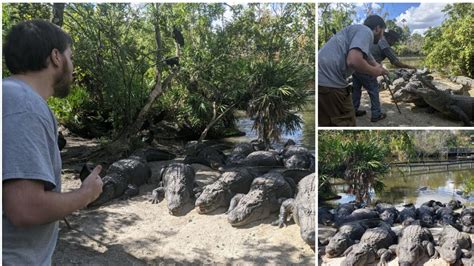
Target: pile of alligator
(418,87)
(254,182)
(370,235)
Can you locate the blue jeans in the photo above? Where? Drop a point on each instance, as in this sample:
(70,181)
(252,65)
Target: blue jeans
(372,87)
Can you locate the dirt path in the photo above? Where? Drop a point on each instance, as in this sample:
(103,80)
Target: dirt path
(411,116)
(137,232)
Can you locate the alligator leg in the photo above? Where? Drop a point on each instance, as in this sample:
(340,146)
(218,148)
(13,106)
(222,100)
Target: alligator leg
(131,191)
(430,249)
(157,195)
(234,201)
(460,114)
(385,256)
(286,210)
(197,190)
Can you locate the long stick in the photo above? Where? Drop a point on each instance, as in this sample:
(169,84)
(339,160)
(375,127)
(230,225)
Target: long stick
(391,93)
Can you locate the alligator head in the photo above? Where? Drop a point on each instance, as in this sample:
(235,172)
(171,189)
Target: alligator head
(177,195)
(338,244)
(450,251)
(361,254)
(410,253)
(212,197)
(250,208)
(307,225)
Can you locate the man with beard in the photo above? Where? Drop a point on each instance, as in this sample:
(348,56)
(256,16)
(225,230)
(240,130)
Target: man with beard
(38,54)
(344,53)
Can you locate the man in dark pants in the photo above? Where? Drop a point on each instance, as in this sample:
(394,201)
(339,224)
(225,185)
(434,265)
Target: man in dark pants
(38,54)
(380,51)
(344,53)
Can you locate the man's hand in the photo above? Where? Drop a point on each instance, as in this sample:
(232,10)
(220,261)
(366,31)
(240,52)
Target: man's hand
(92,185)
(380,70)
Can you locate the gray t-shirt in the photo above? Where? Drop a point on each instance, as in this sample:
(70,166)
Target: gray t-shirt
(332,67)
(377,50)
(30,151)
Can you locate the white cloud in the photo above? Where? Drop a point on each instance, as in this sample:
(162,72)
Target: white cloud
(420,18)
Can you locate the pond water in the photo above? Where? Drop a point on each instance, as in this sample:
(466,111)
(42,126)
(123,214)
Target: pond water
(416,61)
(304,136)
(417,189)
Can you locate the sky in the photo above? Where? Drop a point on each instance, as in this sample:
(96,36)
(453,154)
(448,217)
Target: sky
(418,16)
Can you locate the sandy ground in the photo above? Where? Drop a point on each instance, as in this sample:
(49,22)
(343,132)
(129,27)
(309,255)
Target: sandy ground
(411,116)
(136,232)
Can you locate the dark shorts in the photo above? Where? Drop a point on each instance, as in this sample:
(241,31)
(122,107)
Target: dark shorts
(335,107)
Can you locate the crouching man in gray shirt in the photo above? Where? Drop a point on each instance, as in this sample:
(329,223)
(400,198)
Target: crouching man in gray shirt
(344,53)
(38,54)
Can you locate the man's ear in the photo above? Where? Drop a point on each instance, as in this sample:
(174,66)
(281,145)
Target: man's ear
(55,57)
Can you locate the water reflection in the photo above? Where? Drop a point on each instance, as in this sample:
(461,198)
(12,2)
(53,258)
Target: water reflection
(417,189)
(413,61)
(304,136)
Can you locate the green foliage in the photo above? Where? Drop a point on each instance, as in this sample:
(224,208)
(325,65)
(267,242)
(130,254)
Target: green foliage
(333,17)
(116,59)
(359,157)
(449,47)
(278,91)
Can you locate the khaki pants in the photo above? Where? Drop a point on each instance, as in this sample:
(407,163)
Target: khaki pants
(335,107)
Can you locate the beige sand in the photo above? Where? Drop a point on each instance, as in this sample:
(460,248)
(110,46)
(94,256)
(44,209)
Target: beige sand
(138,232)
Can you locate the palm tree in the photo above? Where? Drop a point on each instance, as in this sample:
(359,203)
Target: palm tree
(278,92)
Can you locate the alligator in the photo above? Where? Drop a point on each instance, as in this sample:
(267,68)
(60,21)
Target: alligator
(373,245)
(359,214)
(415,245)
(325,217)
(457,107)
(344,210)
(408,213)
(454,204)
(388,213)
(262,158)
(177,185)
(124,176)
(347,235)
(426,215)
(302,209)
(453,245)
(266,194)
(205,155)
(239,153)
(467,220)
(220,193)
(446,215)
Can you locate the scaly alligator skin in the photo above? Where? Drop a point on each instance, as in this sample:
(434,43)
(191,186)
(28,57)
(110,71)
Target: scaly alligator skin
(262,158)
(122,179)
(220,193)
(347,235)
(302,209)
(240,152)
(455,106)
(467,220)
(266,194)
(373,245)
(357,215)
(177,185)
(205,155)
(453,245)
(415,245)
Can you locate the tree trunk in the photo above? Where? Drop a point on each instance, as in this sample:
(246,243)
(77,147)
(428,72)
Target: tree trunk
(214,120)
(58,14)
(122,142)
